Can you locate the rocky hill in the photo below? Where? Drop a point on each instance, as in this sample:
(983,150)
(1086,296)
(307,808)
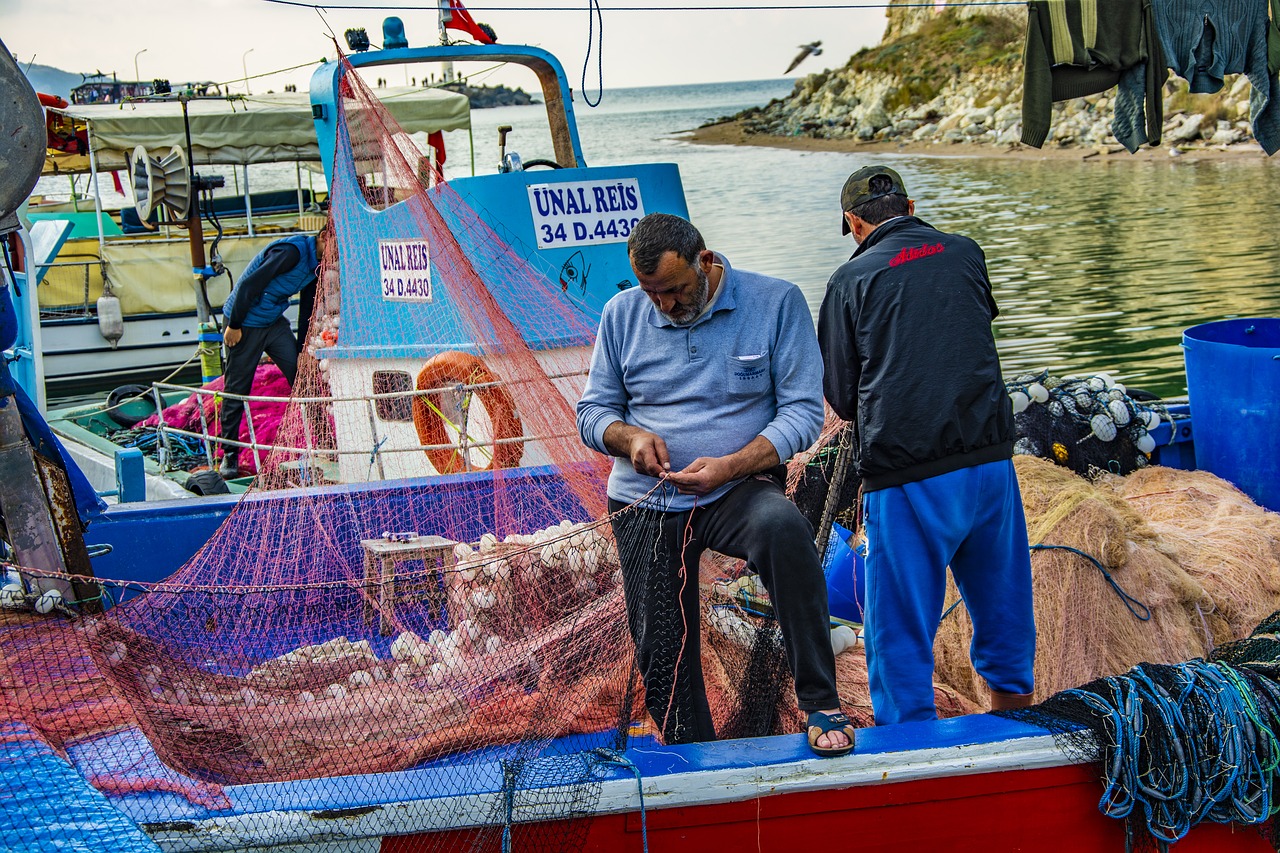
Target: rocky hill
(483,97)
(954,75)
(50,80)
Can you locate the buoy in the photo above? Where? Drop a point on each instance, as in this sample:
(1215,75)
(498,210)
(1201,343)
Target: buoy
(48,600)
(843,638)
(12,595)
(1020,401)
(110,318)
(1103,427)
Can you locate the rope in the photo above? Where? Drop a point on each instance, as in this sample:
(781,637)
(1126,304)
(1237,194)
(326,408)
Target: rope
(1132,604)
(594,13)
(1129,600)
(373,454)
(147,393)
(12,274)
(1186,743)
(613,758)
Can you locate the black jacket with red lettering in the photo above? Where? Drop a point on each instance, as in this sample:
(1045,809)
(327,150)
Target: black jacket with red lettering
(910,358)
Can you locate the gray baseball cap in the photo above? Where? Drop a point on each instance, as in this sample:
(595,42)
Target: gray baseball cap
(857,190)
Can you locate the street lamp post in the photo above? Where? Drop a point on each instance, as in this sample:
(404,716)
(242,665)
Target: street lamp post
(245,69)
(136,76)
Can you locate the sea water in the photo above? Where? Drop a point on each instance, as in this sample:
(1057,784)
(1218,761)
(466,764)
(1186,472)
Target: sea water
(1097,265)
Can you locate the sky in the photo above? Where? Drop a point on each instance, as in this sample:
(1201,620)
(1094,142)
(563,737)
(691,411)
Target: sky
(219,40)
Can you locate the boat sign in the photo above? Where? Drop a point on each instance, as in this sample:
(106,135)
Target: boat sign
(405,270)
(580,213)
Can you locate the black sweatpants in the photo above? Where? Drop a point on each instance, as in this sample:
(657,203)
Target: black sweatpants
(277,341)
(756,522)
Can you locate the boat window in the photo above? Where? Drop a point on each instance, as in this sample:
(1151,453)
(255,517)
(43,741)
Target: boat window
(393,382)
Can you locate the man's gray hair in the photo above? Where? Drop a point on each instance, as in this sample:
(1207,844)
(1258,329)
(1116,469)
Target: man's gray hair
(659,233)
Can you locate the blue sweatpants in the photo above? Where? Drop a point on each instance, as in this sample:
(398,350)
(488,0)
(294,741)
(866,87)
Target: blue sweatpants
(972,520)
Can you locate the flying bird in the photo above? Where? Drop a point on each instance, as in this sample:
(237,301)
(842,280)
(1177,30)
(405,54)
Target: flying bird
(813,48)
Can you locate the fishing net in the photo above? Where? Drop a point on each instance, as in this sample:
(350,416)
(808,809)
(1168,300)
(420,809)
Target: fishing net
(1159,566)
(1222,538)
(1090,424)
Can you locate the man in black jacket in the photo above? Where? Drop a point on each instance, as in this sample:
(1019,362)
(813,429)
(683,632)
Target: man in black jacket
(910,360)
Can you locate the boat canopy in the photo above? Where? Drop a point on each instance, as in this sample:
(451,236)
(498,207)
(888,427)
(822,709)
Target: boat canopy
(244,130)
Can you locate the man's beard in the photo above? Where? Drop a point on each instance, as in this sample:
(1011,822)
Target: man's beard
(684,315)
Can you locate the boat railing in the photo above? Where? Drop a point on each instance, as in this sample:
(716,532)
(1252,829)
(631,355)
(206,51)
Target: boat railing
(86,307)
(310,450)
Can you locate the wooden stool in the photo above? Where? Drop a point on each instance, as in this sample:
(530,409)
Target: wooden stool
(380,559)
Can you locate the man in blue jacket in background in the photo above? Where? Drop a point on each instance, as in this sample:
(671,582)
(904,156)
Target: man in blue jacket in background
(704,381)
(255,324)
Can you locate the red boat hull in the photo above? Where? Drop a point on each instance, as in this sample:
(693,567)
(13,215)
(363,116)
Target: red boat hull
(1044,810)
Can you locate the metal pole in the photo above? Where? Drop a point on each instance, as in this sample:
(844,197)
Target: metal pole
(97,195)
(195,227)
(248,201)
(137,76)
(34,331)
(245,68)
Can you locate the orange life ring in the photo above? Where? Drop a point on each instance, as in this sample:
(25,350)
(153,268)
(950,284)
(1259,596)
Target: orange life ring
(454,367)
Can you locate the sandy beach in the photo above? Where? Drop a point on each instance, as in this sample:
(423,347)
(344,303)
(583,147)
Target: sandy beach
(732,133)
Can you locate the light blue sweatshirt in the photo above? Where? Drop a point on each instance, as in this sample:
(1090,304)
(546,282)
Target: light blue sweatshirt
(749,366)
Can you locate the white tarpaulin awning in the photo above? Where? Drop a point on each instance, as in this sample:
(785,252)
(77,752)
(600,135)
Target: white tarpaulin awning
(239,131)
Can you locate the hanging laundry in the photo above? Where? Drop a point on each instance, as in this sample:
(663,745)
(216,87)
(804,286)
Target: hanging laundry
(1205,40)
(1082,47)
(1273,39)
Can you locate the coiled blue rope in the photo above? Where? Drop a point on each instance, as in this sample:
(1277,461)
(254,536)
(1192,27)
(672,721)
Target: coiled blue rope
(1187,743)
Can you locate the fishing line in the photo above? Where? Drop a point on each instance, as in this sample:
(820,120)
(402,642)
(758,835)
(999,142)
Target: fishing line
(271,73)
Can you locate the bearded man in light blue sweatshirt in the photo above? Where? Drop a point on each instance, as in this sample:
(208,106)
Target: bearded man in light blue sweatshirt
(704,381)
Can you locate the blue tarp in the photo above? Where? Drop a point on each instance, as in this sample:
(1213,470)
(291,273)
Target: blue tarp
(48,806)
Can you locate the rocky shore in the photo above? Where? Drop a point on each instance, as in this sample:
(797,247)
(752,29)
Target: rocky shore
(950,82)
(483,97)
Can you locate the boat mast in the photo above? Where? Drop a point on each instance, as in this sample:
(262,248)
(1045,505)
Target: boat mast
(195,226)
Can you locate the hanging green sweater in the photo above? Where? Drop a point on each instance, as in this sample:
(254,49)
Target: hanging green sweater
(1083,47)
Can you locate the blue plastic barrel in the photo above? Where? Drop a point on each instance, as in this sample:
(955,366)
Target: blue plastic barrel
(1233,383)
(846,584)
